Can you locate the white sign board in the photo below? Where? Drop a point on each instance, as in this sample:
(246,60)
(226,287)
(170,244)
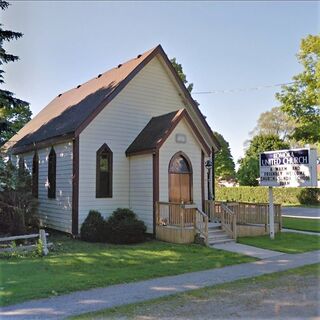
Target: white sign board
(288,168)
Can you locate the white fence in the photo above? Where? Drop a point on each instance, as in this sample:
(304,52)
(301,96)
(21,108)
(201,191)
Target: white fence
(42,235)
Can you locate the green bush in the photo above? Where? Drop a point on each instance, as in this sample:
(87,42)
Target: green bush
(260,194)
(93,229)
(124,227)
(309,196)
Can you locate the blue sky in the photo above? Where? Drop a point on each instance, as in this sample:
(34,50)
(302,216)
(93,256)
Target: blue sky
(221,45)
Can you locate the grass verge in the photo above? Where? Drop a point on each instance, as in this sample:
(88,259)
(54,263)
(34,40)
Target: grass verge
(312,225)
(77,265)
(167,306)
(284,242)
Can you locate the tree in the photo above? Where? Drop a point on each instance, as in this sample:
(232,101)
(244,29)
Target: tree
(301,99)
(14,113)
(248,172)
(183,77)
(224,164)
(275,122)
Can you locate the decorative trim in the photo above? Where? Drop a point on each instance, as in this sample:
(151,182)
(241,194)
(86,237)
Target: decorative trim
(202,181)
(75,187)
(155,179)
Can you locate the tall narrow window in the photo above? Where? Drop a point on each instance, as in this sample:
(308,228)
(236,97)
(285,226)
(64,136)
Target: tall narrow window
(35,174)
(21,164)
(104,172)
(52,174)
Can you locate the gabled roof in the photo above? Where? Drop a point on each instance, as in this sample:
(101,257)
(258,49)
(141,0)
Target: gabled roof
(158,129)
(69,113)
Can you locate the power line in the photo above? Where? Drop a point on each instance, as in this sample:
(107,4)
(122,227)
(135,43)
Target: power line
(243,89)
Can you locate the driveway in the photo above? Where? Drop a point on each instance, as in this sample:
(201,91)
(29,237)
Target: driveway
(301,212)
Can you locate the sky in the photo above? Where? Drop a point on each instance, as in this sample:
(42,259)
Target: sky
(221,45)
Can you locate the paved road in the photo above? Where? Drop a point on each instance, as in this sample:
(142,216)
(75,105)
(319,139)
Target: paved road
(96,299)
(303,212)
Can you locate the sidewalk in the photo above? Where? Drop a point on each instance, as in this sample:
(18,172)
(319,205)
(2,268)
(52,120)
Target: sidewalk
(248,250)
(300,231)
(96,299)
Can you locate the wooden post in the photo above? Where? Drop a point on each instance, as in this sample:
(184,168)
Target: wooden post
(42,237)
(271,214)
(234,227)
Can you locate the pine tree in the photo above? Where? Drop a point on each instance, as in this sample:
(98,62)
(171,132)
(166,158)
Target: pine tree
(14,113)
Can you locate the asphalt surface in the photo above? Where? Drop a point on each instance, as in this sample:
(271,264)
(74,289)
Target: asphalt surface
(80,302)
(300,211)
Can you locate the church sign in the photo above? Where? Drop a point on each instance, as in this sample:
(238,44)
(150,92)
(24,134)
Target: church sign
(289,168)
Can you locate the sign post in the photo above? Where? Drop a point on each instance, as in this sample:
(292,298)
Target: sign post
(271,214)
(287,168)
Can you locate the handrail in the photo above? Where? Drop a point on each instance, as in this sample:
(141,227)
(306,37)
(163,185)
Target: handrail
(201,224)
(229,221)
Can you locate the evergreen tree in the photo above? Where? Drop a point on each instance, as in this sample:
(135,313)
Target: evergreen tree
(224,164)
(14,113)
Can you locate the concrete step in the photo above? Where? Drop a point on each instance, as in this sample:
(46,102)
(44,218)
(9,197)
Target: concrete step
(212,243)
(216,231)
(218,237)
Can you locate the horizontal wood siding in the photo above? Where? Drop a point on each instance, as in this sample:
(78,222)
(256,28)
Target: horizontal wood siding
(141,188)
(192,149)
(149,94)
(55,213)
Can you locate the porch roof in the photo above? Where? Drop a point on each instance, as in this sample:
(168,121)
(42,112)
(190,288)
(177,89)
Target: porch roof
(158,129)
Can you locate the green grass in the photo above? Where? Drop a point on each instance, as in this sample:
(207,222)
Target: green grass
(312,225)
(77,265)
(284,242)
(147,309)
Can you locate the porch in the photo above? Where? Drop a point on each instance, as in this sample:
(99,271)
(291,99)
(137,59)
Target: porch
(219,222)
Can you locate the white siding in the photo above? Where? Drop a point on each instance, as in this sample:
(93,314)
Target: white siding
(149,94)
(192,149)
(55,213)
(141,188)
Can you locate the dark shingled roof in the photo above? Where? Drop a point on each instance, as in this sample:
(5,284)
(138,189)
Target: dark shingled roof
(64,114)
(158,129)
(69,113)
(152,134)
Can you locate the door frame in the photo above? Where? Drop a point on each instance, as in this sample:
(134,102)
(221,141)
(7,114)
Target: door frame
(182,154)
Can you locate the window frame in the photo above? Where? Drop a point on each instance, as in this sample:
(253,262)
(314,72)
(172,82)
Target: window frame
(35,175)
(109,192)
(52,174)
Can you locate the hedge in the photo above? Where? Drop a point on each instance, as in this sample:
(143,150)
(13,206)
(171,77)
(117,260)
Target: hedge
(260,194)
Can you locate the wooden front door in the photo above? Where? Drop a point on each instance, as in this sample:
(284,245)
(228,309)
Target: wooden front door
(180,179)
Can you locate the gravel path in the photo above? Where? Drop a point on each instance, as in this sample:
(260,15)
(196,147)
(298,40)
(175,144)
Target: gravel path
(97,299)
(296,298)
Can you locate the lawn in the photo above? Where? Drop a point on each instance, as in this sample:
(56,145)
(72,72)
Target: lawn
(77,265)
(301,224)
(284,242)
(244,294)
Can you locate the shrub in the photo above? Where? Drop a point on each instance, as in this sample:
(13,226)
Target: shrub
(309,196)
(18,207)
(124,227)
(260,194)
(93,227)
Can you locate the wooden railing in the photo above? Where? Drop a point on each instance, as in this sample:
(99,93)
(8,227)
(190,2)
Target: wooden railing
(228,221)
(201,224)
(175,214)
(182,215)
(249,213)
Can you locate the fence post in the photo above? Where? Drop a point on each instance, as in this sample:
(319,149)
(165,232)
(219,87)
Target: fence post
(42,237)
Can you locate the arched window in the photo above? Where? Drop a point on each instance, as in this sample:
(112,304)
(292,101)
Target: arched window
(52,162)
(104,172)
(35,174)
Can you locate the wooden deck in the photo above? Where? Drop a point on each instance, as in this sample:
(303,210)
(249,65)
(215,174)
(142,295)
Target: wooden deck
(180,223)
